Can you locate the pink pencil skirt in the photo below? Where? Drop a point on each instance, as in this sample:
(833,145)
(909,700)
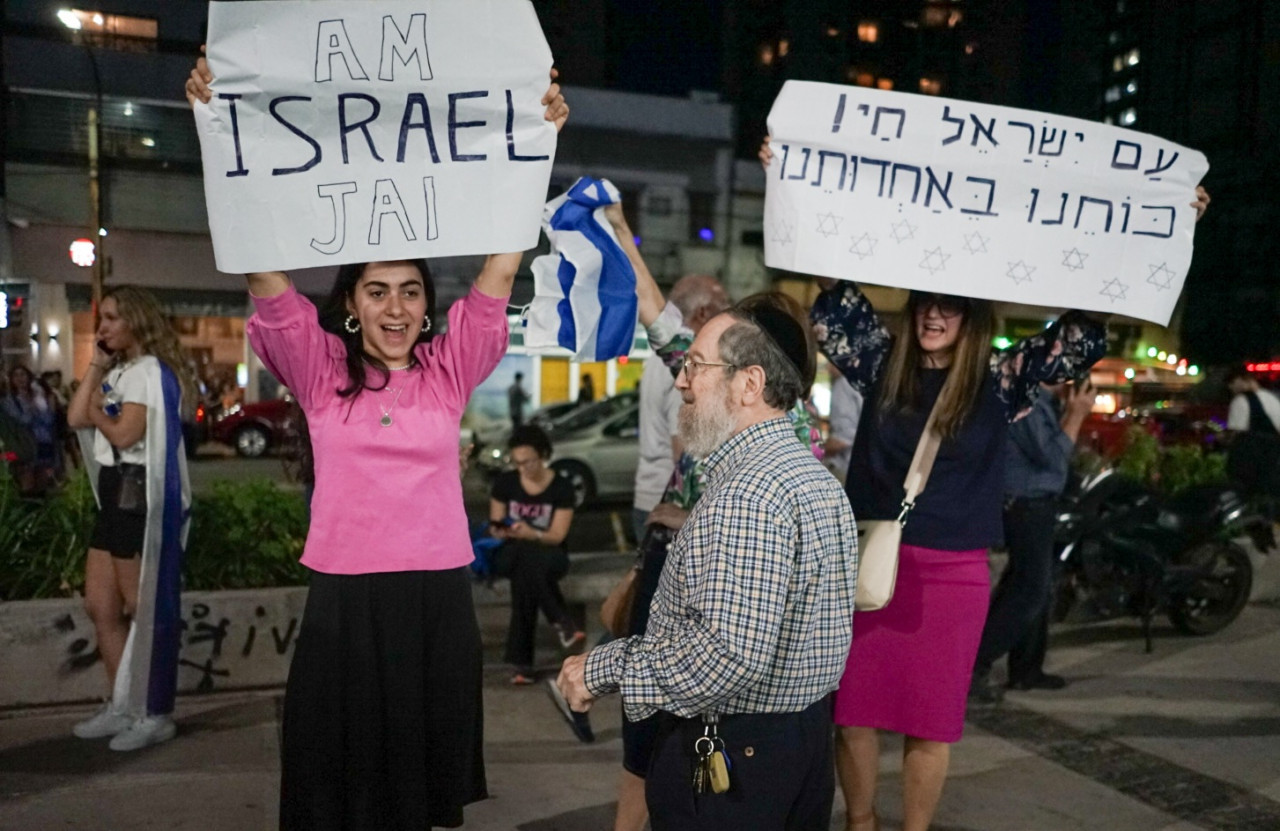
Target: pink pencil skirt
(910,663)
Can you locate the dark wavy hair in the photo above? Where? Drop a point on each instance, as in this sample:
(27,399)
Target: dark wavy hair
(333,315)
(531,435)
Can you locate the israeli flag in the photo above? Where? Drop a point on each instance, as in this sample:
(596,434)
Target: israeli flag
(585,289)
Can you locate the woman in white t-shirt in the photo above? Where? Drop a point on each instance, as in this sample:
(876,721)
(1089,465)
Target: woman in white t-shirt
(127,409)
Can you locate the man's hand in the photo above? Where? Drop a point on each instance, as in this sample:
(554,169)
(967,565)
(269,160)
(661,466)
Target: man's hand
(573,683)
(1202,201)
(668,515)
(1080,399)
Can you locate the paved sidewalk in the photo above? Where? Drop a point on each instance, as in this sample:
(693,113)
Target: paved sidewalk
(1185,738)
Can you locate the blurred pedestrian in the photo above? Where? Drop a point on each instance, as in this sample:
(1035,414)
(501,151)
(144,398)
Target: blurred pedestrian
(699,297)
(30,407)
(1253,457)
(517,398)
(530,510)
(382,712)
(128,411)
(1037,462)
(586,390)
(846,410)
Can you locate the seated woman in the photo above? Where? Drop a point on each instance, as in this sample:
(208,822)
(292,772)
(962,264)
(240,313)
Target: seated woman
(531,508)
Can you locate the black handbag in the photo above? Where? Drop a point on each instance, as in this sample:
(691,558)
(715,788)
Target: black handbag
(132,496)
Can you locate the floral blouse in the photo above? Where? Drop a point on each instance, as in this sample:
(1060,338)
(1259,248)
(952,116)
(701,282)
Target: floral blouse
(850,334)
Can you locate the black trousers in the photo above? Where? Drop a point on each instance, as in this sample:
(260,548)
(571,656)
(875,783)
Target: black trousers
(535,572)
(782,776)
(1018,620)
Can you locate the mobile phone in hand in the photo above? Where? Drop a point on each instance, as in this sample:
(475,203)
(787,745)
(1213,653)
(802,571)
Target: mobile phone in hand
(106,350)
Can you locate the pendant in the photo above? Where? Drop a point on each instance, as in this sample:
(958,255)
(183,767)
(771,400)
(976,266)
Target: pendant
(386,420)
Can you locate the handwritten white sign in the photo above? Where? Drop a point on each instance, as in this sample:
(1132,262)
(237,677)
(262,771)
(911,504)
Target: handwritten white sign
(345,131)
(961,198)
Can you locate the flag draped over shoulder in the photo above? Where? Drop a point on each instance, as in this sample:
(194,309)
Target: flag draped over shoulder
(585,289)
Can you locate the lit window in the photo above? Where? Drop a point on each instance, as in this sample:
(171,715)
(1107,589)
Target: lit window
(1131,87)
(1112,95)
(868,32)
(1128,117)
(884,83)
(784,46)
(930,86)
(970,48)
(1117,64)
(1113,38)
(1132,57)
(833,32)
(1108,120)
(865,79)
(766,55)
(115,31)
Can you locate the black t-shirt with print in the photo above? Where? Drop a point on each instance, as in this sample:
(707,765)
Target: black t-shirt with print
(534,509)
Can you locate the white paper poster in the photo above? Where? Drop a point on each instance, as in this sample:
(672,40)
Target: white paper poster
(962,198)
(346,131)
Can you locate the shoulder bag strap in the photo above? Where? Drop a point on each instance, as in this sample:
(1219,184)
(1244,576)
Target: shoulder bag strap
(921,465)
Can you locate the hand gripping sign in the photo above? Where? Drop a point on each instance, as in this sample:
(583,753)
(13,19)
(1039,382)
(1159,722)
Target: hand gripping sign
(347,131)
(961,198)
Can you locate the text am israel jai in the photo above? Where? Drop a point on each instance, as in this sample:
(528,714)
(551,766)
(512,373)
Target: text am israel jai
(354,132)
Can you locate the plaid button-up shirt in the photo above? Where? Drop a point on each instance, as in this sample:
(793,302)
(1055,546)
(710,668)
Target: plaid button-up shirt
(754,611)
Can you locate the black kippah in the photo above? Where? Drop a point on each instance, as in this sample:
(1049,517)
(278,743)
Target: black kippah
(788,335)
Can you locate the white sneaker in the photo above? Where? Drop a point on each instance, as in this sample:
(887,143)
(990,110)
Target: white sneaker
(143,732)
(106,722)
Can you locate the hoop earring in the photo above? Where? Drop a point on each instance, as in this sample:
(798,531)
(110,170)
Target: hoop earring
(351,324)
(426,324)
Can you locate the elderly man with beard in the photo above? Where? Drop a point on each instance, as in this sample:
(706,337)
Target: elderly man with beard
(752,619)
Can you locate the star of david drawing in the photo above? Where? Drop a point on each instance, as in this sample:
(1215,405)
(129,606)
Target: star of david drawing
(1113,289)
(934,260)
(1162,276)
(976,243)
(782,233)
(1020,272)
(829,224)
(864,246)
(1074,259)
(903,231)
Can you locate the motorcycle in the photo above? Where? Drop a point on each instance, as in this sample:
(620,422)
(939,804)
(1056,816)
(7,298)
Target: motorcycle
(1122,550)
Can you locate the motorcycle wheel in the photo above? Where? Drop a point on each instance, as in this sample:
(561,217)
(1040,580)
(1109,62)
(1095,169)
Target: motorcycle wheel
(1217,598)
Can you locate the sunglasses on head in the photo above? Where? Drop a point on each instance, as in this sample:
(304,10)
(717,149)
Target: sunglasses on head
(948,305)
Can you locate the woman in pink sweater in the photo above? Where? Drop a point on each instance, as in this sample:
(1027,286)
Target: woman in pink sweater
(382,716)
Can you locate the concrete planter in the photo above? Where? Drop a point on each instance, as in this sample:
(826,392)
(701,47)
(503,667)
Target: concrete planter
(231,640)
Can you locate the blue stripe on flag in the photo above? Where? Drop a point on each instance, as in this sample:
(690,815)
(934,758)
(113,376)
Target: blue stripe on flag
(167,633)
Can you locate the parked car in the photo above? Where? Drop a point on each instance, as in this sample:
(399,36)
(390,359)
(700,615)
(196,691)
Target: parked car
(600,460)
(597,447)
(497,433)
(556,419)
(254,429)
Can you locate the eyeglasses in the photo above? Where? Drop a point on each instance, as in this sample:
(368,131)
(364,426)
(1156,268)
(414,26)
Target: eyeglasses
(691,367)
(946,305)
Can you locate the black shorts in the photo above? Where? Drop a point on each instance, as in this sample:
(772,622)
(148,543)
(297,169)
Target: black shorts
(117,533)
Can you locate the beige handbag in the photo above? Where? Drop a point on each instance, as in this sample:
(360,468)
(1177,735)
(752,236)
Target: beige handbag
(880,539)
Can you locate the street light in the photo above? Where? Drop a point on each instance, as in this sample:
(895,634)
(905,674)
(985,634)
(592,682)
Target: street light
(72,21)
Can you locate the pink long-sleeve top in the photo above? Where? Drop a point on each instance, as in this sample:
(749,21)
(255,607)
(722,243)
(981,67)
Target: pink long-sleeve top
(386,498)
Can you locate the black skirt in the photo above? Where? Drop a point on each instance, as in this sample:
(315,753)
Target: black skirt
(383,721)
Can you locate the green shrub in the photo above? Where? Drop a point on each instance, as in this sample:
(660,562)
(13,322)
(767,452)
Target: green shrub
(246,535)
(243,535)
(1169,470)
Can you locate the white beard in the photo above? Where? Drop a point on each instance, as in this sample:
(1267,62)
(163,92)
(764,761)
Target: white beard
(702,430)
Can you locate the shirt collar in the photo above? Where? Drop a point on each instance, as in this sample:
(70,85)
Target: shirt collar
(725,458)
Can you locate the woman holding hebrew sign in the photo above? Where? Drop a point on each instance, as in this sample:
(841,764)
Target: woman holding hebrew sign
(911,661)
(382,716)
